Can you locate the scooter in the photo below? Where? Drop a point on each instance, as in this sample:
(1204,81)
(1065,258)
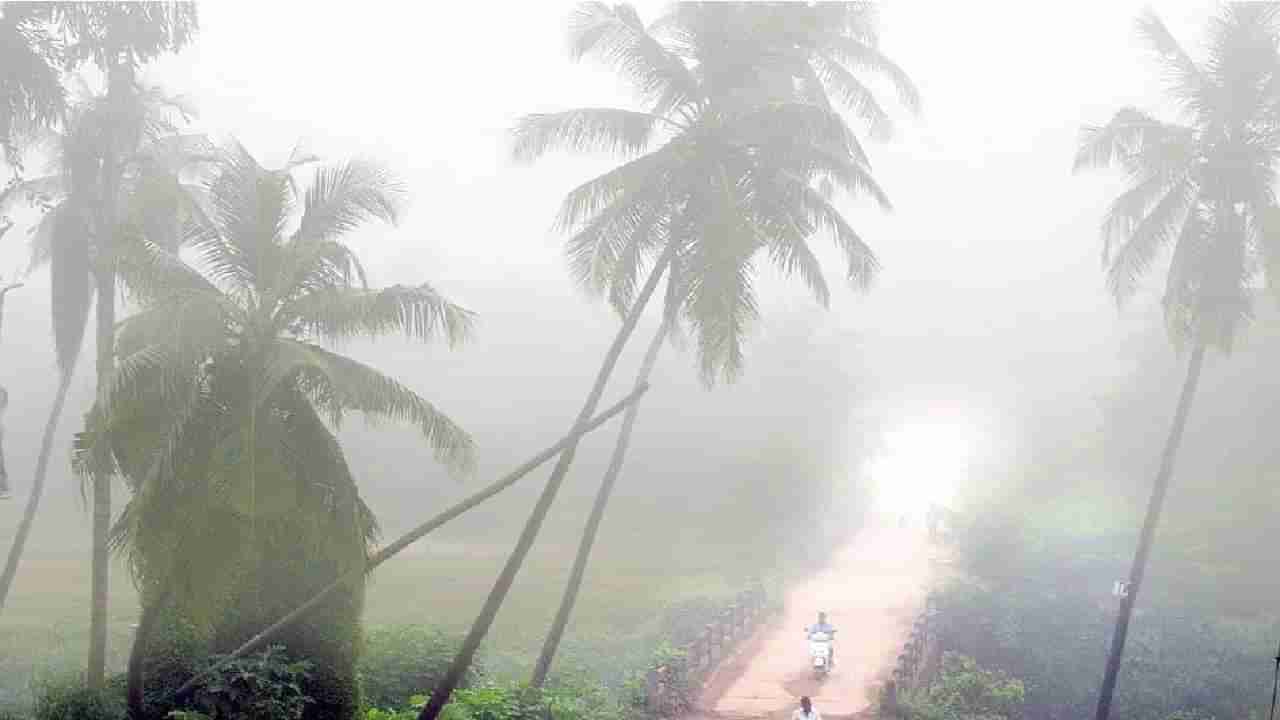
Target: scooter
(820,653)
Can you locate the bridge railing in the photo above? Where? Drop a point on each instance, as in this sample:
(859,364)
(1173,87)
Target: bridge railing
(671,686)
(916,663)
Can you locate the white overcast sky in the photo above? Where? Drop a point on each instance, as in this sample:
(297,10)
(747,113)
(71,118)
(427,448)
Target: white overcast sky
(991,293)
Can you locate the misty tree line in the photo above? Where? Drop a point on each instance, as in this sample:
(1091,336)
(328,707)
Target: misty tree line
(218,398)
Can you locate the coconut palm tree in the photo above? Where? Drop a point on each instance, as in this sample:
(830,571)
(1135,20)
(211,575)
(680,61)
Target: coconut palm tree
(154,192)
(31,92)
(718,168)
(1203,185)
(771,51)
(118,38)
(221,412)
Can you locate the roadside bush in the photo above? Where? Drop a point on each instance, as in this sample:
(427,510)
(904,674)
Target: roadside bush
(561,701)
(67,698)
(965,691)
(266,686)
(401,662)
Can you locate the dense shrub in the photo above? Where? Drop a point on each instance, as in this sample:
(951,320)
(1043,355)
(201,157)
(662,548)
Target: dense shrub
(266,686)
(582,700)
(965,691)
(401,662)
(67,698)
(1043,613)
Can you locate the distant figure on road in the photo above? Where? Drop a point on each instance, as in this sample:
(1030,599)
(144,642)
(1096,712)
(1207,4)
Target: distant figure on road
(934,517)
(806,711)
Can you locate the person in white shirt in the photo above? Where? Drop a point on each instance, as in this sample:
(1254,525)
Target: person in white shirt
(806,711)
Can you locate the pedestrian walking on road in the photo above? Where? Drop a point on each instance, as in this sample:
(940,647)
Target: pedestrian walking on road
(806,711)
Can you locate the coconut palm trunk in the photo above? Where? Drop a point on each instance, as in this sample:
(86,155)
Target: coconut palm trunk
(37,488)
(576,575)
(101,561)
(1147,538)
(461,662)
(120,79)
(136,678)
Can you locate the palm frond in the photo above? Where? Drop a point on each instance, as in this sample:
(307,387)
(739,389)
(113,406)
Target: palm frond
(616,36)
(721,307)
(337,384)
(861,262)
(595,250)
(1187,81)
(1145,235)
(620,132)
(70,286)
(341,313)
(587,201)
(854,95)
(344,196)
(855,54)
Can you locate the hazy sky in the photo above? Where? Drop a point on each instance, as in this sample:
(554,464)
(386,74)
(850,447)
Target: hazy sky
(991,297)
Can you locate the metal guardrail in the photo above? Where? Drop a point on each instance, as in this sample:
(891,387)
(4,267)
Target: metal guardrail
(917,661)
(669,688)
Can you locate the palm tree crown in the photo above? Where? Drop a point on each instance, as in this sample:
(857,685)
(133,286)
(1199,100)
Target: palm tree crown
(735,153)
(223,390)
(1204,184)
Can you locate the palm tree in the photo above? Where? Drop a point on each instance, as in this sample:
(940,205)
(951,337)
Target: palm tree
(811,50)
(31,92)
(1203,184)
(153,194)
(219,415)
(716,169)
(117,37)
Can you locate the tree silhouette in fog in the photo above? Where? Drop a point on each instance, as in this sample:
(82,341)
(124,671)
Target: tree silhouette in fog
(1202,187)
(748,59)
(730,158)
(220,411)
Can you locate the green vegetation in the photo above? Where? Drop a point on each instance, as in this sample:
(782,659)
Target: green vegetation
(965,691)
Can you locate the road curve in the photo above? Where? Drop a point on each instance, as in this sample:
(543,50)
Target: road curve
(872,592)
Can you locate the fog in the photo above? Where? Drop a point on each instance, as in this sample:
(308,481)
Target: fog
(983,370)
(989,307)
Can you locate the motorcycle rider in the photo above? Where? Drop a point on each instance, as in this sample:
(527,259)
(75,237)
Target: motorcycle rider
(822,626)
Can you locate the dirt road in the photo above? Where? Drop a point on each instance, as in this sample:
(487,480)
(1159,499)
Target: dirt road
(871,593)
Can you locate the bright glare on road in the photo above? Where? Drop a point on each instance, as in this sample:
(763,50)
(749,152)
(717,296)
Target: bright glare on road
(924,461)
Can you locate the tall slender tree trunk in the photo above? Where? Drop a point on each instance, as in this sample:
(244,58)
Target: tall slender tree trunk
(576,575)
(136,677)
(1147,538)
(461,662)
(37,487)
(120,85)
(101,559)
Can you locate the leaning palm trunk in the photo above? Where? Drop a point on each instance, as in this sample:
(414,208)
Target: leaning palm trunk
(1147,537)
(576,575)
(37,488)
(462,662)
(411,537)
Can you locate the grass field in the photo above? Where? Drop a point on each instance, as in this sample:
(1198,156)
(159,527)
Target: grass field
(44,629)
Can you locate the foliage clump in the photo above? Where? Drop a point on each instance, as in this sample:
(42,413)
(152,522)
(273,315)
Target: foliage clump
(965,691)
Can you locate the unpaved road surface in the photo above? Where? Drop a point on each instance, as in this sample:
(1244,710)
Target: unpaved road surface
(872,592)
